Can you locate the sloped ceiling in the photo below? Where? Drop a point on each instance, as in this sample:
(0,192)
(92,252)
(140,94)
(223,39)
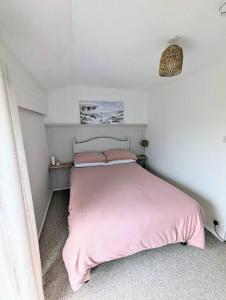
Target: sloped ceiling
(114,43)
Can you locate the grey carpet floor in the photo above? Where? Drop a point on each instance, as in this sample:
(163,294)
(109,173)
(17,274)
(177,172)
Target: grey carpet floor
(171,272)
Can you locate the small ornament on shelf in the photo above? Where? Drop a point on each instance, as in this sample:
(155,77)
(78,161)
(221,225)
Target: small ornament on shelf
(53,160)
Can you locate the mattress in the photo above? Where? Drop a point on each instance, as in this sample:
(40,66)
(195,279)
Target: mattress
(119,210)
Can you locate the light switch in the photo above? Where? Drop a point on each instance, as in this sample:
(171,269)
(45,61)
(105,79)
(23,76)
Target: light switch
(224,139)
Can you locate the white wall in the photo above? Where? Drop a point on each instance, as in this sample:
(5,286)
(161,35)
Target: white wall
(29,94)
(187,122)
(36,149)
(63,104)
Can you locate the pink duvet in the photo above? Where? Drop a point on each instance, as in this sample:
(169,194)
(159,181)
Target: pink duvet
(118,210)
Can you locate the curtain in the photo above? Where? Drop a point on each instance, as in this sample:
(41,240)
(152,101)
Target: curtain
(21,274)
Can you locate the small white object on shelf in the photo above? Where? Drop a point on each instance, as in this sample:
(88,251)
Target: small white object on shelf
(58,163)
(53,160)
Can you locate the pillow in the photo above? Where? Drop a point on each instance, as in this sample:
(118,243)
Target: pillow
(83,165)
(86,159)
(119,154)
(119,162)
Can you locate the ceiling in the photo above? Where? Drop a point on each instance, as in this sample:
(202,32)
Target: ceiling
(113,43)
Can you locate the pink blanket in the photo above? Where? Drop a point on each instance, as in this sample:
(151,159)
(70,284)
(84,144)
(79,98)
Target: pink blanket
(116,211)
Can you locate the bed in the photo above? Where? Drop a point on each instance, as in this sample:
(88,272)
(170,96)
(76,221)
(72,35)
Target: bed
(122,209)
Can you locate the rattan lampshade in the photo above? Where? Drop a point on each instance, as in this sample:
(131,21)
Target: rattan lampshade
(222,8)
(171,61)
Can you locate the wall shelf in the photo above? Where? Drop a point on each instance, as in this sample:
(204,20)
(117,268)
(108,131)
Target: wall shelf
(61,166)
(93,125)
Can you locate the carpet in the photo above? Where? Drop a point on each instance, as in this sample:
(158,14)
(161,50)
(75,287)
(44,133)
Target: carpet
(167,273)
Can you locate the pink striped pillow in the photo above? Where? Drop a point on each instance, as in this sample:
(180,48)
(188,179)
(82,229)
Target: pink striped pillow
(89,157)
(119,154)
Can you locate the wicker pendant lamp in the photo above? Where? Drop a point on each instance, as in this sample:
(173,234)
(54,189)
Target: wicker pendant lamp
(171,60)
(222,8)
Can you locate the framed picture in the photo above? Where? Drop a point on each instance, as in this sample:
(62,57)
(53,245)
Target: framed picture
(101,112)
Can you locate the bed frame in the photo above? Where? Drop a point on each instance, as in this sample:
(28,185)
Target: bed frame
(100,144)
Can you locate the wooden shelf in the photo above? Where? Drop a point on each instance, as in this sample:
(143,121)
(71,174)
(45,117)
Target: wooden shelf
(61,166)
(93,125)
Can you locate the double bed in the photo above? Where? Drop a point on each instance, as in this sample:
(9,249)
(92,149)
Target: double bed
(118,210)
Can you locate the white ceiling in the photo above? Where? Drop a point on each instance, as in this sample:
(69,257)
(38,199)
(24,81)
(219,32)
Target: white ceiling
(115,43)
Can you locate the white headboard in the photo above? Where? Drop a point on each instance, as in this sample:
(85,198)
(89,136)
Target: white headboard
(100,144)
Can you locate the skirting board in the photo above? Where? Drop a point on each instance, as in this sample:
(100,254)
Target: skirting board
(47,208)
(44,218)
(213,232)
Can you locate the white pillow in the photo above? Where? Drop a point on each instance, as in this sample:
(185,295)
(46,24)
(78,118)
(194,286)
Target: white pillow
(94,164)
(119,162)
(110,163)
